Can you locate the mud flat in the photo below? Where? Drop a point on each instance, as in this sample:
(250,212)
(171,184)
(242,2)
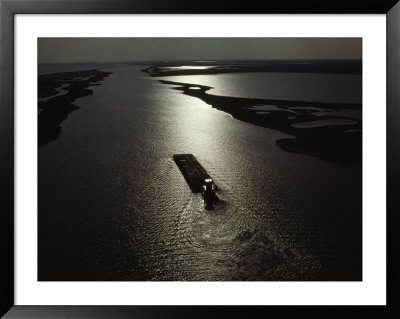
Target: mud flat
(56,108)
(335,142)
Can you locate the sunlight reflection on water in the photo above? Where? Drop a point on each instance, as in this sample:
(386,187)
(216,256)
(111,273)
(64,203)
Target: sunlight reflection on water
(281,86)
(130,215)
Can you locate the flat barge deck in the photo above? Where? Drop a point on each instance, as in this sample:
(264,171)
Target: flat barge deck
(192,170)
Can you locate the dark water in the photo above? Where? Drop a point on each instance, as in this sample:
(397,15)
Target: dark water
(114,206)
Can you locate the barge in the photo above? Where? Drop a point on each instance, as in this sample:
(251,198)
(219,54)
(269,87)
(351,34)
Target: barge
(194,174)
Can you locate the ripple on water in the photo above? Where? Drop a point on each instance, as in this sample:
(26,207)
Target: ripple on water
(211,231)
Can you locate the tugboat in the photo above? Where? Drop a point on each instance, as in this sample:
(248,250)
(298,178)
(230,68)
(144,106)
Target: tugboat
(208,190)
(197,178)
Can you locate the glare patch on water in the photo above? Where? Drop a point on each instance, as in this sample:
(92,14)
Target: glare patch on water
(356,114)
(263,112)
(187,67)
(340,88)
(319,123)
(265,108)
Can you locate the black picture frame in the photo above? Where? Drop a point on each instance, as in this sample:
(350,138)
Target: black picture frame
(9,8)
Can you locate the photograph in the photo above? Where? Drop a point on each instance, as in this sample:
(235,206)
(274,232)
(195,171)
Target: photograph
(199,159)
